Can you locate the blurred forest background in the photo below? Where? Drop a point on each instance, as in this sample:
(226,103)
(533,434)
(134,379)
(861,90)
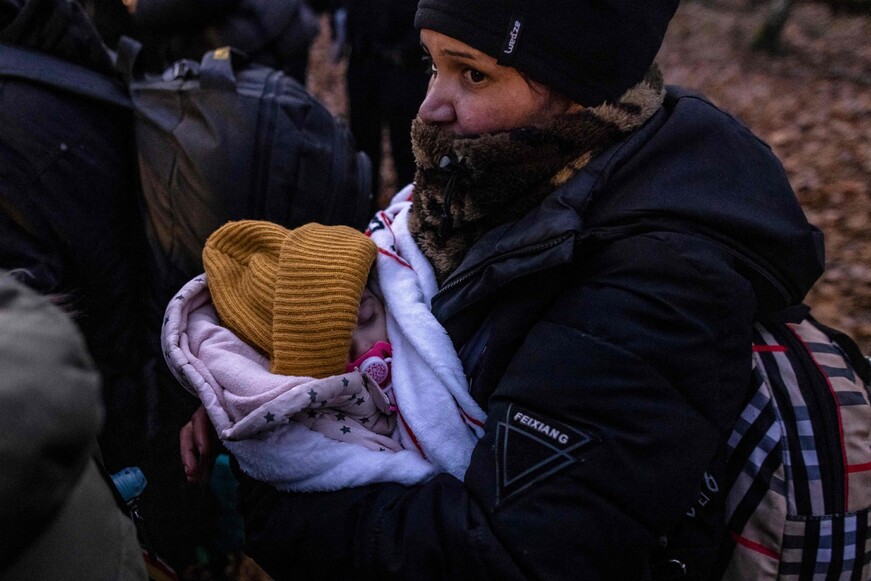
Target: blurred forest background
(809,98)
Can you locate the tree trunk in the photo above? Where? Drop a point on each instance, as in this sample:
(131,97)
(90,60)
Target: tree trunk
(768,37)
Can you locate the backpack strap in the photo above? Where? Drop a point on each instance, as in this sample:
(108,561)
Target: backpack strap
(861,364)
(797,313)
(218,68)
(30,65)
(126,58)
(792,314)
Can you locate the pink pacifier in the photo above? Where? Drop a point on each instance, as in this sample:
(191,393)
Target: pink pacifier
(375,363)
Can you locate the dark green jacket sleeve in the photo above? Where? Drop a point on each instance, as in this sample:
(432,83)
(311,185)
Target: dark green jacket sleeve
(50,411)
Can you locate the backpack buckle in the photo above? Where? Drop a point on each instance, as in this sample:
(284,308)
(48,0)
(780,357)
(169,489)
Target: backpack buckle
(668,569)
(181,69)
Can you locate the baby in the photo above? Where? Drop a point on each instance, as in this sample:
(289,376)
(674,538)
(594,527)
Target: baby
(299,297)
(288,343)
(371,351)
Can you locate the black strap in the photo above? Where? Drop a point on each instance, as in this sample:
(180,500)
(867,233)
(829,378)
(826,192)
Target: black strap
(855,357)
(30,65)
(218,68)
(861,364)
(126,58)
(791,314)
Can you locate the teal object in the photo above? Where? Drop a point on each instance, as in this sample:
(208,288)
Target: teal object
(230,536)
(130,482)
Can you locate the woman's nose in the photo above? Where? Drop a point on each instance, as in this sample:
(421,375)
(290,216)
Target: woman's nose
(437,106)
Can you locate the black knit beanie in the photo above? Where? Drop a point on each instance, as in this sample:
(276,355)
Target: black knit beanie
(590,50)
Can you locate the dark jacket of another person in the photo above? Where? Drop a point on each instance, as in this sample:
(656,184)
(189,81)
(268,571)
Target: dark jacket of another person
(275,34)
(69,221)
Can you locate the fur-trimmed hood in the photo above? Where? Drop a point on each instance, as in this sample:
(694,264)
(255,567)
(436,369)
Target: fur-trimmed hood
(690,168)
(467,185)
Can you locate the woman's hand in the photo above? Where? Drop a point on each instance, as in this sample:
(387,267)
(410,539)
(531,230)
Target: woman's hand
(198,445)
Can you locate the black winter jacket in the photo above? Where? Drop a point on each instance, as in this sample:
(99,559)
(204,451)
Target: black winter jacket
(69,221)
(607,334)
(275,34)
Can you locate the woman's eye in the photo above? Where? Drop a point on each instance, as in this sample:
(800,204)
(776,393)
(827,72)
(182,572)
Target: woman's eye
(475,76)
(429,67)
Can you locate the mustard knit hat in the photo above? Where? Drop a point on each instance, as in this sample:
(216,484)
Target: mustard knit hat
(293,294)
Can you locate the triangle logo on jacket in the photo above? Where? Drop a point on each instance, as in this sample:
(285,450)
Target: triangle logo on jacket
(532,447)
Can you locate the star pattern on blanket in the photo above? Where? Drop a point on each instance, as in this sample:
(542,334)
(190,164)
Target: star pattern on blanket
(313,395)
(269,417)
(340,416)
(359,401)
(345,382)
(364,421)
(345,429)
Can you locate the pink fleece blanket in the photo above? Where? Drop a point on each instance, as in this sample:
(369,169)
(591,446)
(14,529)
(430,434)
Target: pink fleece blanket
(301,433)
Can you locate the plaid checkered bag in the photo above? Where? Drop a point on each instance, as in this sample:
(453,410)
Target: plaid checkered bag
(798,487)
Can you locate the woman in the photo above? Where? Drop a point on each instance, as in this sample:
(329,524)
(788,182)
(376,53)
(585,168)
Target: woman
(603,246)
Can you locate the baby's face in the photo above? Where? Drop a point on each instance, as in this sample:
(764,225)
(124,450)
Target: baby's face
(371,325)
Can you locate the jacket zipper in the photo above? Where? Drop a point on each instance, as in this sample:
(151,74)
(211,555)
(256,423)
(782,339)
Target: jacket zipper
(764,273)
(528,250)
(454,167)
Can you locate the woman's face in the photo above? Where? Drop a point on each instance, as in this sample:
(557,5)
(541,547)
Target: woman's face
(469,93)
(371,325)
